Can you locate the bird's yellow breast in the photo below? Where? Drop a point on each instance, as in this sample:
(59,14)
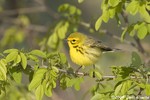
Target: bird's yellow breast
(85,58)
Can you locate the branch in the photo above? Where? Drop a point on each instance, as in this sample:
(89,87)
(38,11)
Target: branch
(30,10)
(86,74)
(23,11)
(137,40)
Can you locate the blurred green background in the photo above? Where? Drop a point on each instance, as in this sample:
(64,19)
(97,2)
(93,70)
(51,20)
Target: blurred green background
(26,24)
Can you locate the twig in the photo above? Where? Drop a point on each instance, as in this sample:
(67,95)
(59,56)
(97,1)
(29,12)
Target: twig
(70,72)
(140,47)
(86,74)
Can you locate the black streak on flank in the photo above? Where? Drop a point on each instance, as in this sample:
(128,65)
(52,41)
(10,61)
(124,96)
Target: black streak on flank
(80,49)
(75,46)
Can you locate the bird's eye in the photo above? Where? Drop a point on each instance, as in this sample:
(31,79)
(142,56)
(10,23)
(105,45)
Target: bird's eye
(73,41)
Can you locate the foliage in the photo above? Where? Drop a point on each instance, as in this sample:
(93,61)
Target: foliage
(112,9)
(48,68)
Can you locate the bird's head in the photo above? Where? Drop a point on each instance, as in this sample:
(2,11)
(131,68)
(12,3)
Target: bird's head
(76,39)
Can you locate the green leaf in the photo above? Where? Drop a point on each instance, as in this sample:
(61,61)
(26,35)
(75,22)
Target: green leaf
(72,10)
(48,91)
(77,82)
(34,58)
(63,30)
(17,75)
(23,60)
(98,75)
(147,89)
(11,56)
(141,85)
(113,3)
(18,59)
(125,86)
(105,16)
(63,58)
(132,33)
(37,78)
(24,20)
(118,89)
(39,92)
(123,34)
(148,28)
(118,20)
(10,50)
(63,7)
(98,96)
(53,40)
(143,12)
(136,60)
(3,69)
(142,32)
(98,23)
(55,69)
(80,1)
(38,53)
(112,12)
(148,5)
(133,7)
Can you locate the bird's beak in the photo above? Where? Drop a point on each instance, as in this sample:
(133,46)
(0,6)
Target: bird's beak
(66,40)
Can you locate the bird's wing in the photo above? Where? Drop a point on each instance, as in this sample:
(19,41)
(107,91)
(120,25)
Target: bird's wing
(98,44)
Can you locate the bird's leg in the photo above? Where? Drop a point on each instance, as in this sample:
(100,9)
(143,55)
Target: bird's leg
(94,71)
(77,70)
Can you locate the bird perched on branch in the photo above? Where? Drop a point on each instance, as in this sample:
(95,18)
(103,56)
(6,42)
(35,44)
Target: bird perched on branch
(85,50)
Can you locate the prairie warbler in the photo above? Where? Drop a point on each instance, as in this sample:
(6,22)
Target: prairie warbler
(85,50)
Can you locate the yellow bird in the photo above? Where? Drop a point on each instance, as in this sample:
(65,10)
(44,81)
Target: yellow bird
(85,50)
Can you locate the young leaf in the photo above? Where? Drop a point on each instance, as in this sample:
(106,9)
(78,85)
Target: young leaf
(48,91)
(11,56)
(147,89)
(34,58)
(98,23)
(113,3)
(39,92)
(10,50)
(125,86)
(144,13)
(148,28)
(112,12)
(118,89)
(77,82)
(80,1)
(98,75)
(18,59)
(63,58)
(37,78)
(136,60)
(97,96)
(133,7)
(105,16)
(38,53)
(3,70)
(3,64)
(17,76)
(23,60)
(142,32)
(123,34)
